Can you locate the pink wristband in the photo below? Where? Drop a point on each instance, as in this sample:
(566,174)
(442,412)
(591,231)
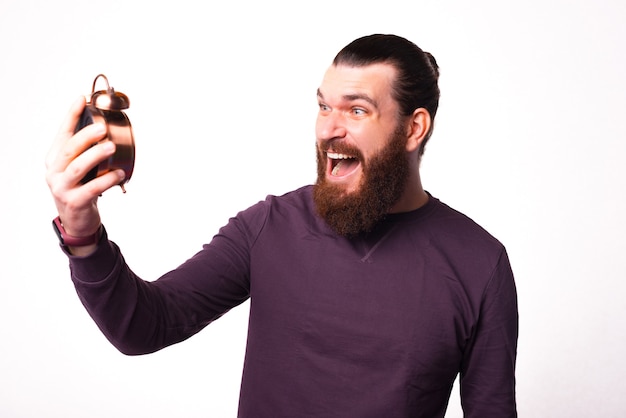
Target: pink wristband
(70,241)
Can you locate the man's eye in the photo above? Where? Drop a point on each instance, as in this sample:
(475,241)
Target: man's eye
(324,108)
(358,111)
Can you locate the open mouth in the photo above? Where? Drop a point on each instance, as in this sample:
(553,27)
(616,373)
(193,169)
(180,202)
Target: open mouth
(342,164)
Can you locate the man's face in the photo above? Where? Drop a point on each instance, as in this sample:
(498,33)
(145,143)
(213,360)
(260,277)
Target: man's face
(362,160)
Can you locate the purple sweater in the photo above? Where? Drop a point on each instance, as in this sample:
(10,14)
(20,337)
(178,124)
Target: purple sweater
(377,326)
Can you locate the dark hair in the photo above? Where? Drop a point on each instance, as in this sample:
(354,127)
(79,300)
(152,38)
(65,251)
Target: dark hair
(416,84)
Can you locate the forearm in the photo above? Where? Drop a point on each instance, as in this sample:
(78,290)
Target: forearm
(139,316)
(128,310)
(109,292)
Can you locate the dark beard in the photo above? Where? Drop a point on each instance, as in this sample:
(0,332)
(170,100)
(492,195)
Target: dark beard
(384,179)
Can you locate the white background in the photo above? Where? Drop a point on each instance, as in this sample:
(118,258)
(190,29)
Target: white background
(529,141)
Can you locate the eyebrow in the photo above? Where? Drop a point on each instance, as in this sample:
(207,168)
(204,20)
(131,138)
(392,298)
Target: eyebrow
(353,97)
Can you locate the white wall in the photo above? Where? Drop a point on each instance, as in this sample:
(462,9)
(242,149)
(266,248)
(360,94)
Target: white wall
(530,142)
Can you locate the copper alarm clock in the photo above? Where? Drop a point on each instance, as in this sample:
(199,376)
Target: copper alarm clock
(107,107)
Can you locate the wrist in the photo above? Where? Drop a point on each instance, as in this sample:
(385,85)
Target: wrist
(68,240)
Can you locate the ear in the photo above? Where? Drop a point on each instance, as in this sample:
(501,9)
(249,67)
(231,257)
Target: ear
(419,126)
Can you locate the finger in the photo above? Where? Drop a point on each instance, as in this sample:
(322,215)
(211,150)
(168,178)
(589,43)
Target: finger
(63,178)
(70,149)
(99,185)
(66,130)
(81,198)
(78,166)
(71,119)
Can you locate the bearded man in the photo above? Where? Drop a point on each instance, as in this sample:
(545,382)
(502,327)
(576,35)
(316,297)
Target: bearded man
(368,296)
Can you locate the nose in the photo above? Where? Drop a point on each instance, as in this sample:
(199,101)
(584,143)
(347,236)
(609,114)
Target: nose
(330,125)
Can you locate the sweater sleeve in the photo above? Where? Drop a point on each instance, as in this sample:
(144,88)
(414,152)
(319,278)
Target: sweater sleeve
(487,380)
(139,316)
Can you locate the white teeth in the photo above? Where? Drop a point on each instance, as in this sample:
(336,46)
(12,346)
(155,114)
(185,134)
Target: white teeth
(337,156)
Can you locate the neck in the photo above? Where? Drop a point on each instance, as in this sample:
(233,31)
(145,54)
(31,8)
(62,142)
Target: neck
(414,196)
